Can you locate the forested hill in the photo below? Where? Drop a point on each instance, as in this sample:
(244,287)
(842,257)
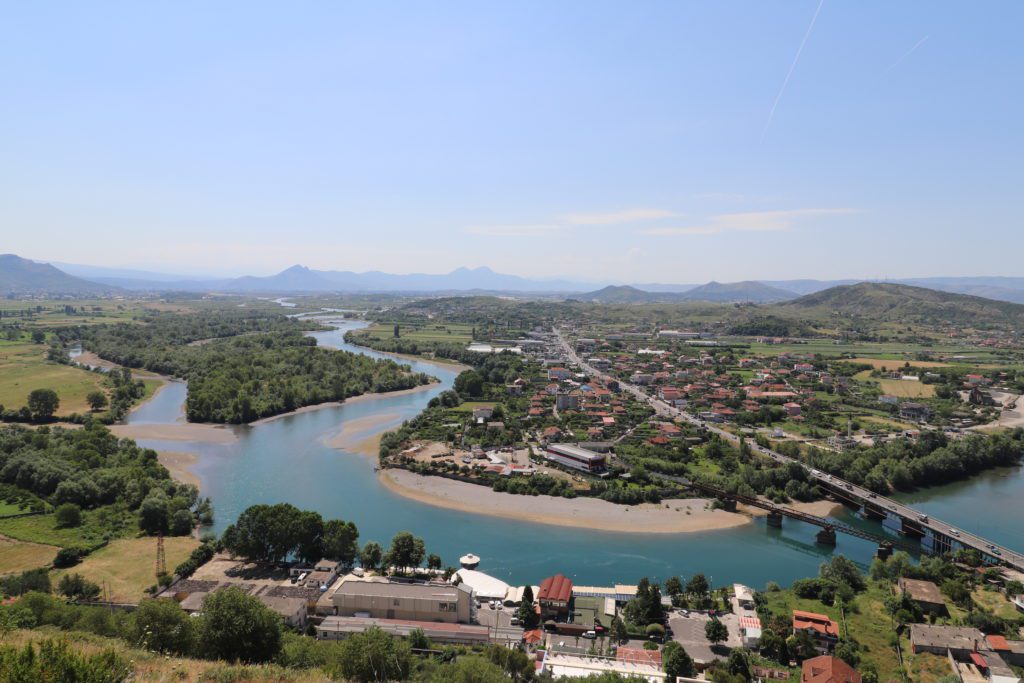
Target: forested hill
(903,303)
(248,366)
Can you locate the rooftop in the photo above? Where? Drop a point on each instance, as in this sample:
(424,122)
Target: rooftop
(556,588)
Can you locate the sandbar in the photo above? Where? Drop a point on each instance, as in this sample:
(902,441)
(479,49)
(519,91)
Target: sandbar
(347,401)
(667,517)
(179,464)
(179,431)
(348,437)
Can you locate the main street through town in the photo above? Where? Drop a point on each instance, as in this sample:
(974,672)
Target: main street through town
(841,488)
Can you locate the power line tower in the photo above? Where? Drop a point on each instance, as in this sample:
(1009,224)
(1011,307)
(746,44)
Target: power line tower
(161,559)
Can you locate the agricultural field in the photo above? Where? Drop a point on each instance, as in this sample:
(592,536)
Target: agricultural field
(904,388)
(18,556)
(128,566)
(23,368)
(455,333)
(96,525)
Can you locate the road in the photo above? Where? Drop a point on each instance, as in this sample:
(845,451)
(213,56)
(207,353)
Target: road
(841,487)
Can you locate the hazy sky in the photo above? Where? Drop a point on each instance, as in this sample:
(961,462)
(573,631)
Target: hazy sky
(635,141)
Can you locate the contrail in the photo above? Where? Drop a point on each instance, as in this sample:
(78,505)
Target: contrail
(792,66)
(908,53)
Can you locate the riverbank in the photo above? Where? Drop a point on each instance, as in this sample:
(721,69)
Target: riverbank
(667,517)
(179,464)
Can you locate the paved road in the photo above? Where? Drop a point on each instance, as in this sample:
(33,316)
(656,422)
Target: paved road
(846,489)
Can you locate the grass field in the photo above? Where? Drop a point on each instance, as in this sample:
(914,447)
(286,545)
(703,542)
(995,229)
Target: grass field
(43,529)
(17,556)
(470,406)
(897,363)
(23,368)
(7,509)
(128,566)
(904,388)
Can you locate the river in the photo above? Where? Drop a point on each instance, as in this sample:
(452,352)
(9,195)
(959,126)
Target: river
(288,460)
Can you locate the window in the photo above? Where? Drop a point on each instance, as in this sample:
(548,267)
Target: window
(396,602)
(442,606)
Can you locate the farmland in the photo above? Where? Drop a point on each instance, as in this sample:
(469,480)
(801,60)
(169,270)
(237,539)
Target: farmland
(17,556)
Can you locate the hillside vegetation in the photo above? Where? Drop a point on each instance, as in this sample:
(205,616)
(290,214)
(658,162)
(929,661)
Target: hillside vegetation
(19,276)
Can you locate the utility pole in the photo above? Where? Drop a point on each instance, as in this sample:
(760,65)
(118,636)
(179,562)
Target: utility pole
(161,559)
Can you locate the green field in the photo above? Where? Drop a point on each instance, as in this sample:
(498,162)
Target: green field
(17,556)
(455,333)
(96,524)
(23,368)
(8,509)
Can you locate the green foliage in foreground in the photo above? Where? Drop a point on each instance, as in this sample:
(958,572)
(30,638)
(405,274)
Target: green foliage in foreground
(54,660)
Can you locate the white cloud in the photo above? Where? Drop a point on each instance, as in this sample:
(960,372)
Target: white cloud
(752,221)
(515,230)
(614,217)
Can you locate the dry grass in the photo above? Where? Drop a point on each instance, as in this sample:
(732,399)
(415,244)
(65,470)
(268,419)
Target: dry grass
(17,556)
(904,388)
(128,566)
(23,368)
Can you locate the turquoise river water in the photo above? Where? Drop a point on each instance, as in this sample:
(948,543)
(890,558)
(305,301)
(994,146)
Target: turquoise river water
(288,460)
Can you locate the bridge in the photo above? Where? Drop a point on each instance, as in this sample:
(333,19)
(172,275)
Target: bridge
(939,536)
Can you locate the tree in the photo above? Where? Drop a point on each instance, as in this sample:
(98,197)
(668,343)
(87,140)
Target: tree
(673,586)
(162,626)
(373,656)
(406,551)
(676,660)
(773,646)
(698,586)
(716,632)
(38,336)
(75,587)
(397,335)
(434,561)
(238,627)
(43,403)
(68,515)
(618,631)
(371,555)
(843,571)
(270,533)
(181,523)
(469,383)
(739,664)
(848,651)
(153,518)
(341,541)
(527,612)
(97,400)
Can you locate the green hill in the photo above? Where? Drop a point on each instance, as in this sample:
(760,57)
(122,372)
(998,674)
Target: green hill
(887,302)
(21,277)
(746,291)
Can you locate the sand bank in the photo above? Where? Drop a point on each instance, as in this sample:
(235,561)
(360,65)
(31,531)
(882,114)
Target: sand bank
(819,508)
(179,464)
(347,401)
(669,516)
(349,436)
(179,431)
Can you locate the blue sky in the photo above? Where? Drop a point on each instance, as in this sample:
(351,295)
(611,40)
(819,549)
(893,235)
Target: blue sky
(597,140)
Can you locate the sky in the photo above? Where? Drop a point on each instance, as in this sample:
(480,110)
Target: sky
(622,141)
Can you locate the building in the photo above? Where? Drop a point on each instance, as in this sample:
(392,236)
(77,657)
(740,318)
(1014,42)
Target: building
(567,400)
(484,586)
(792,409)
(828,669)
(554,596)
(822,630)
(439,602)
(924,594)
(915,412)
(960,641)
(575,457)
(750,631)
(562,664)
(338,628)
(482,413)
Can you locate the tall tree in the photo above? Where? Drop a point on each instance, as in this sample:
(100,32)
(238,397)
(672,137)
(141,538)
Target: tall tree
(677,661)
(43,403)
(371,555)
(406,551)
(341,541)
(237,627)
(527,612)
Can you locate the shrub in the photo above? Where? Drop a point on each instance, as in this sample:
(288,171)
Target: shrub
(68,516)
(69,557)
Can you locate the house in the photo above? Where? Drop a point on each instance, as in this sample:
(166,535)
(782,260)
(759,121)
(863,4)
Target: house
(828,669)
(822,630)
(641,378)
(554,596)
(960,641)
(980,397)
(915,412)
(888,399)
(558,374)
(792,409)
(376,599)
(750,631)
(496,426)
(924,594)
(482,413)
(567,400)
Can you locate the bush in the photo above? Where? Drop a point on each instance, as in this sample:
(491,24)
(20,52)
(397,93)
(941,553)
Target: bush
(76,587)
(69,557)
(68,516)
(54,660)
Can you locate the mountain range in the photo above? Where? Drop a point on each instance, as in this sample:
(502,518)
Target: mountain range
(24,277)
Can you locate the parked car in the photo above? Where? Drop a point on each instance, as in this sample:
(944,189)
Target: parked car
(592,635)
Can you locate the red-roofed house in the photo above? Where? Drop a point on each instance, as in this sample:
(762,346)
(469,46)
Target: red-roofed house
(554,595)
(822,630)
(828,669)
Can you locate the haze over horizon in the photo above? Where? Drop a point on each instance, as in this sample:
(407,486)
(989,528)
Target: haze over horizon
(591,142)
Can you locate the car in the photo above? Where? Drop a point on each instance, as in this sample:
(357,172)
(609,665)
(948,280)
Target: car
(922,518)
(684,612)
(515,621)
(849,487)
(995,551)
(954,532)
(871,495)
(592,635)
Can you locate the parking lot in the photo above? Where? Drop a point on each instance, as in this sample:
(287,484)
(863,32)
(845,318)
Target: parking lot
(688,631)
